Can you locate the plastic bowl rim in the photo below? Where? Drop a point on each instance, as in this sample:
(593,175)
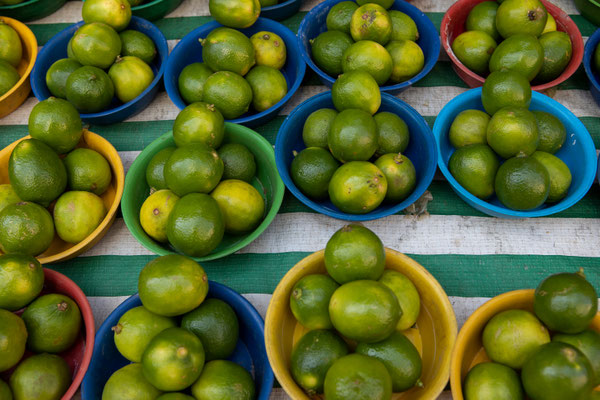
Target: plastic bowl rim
(33,58)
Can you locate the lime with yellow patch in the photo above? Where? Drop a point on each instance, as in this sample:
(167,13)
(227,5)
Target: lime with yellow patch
(11,48)
(154,214)
(8,196)
(21,280)
(407,59)
(131,76)
(269,49)
(268,87)
(368,56)
(235,13)
(242,205)
(371,22)
(357,90)
(116,13)
(407,295)
(25,228)
(226,49)
(357,187)
(77,214)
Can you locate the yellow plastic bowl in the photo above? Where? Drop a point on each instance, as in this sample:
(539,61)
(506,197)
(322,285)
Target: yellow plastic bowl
(469,350)
(434,334)
(12,99)
(60,250)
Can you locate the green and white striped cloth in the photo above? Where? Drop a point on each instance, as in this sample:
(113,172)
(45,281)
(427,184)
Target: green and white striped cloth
(473,256)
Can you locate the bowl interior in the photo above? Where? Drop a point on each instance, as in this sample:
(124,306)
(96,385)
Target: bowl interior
(250,350)
(421,151)
(29,45)
(578,153)
(60,250)
(30,10)
(266,181)
(433,335)
(155,9)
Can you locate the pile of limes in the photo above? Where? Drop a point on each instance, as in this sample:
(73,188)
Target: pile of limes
(360,305)
(355,39)
(339,145)
(96,47)
(11,52)
(178,340)
(201,189)
(527,140)
(46,173)
(50,324)
(530,42)
(558,366)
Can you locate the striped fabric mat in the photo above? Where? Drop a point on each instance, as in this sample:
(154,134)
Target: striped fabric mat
(474,256)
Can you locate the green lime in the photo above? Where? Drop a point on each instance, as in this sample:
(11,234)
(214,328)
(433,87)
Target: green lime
(115,13)
(552,132)
(559,173)
(371,22)
(77,214)
(482,18)
(199,123)
(21,280)
(339,16)
(90,89)
(513,131)
(317,126)
(131,76)
(312,357)
(516,17)
(5,392)
(357,187)
(358,377)
(328,49)
(195,168)
(239,162)
(474,49)
(587,342)
(311,170)
(70,53)
(400,174)
(96,44)
(154,214)
(503,89)
(57,75)
(511,337)
(172,285)
(353,136)
(191,81)
(491,380)
(11,48)
(469,127)
(226,49)
(87,170)
(41,377)
(137,44)
(229,92)
(8,196)
(174,396)
(269,49)
(558,50)
(407,296)
(25,228)
(217,326)
(8,77)
(368,56)
(235,13)
(520,53)
(309,301)
(522,183)
(357,90)
(550,24)
(475,167)
(13,337)
(403,26)
(383,3)
(128,383)
(407,57)
(242,206)
(224,380)
(155,176)
(392,133)
(268,87)
(57,123)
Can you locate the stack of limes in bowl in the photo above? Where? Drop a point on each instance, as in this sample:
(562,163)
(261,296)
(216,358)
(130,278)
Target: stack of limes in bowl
(104,60)
(518,35)
(355,39)
(178,340)
(11,52)
(49,325)
(527,140)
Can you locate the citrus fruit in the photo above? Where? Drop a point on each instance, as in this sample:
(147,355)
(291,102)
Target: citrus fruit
(154,213)
(353,136)
(469,127)
(226,49)
(131,77)
(135,330)
(137,44)
(238,161)
(191,81)
(407,58)
(77,214)
(317,126)
(339,16)
(492,380)
(557,371)
(224,380)
(229,92)
(520,53)
(174,396)
(196,225)
(515,17)
(383,3)
(550,24)
(357,187)
(365,311)
(400,175)
(403,26)
(407,295)
(128,383)
(557,50)
(311,170)
(587,342)
(474,49)
(268,87)
(155,176)
(392,133)
(513,131)
(5,393)
(511,337)
(552,132)
(8,196)
(242,206)
(357,90)
(21,280)
(87,170)
(269,49)
(328,49)
(566,302)
(193,168)
(11,49)
(235,13)
(309,301)
(358,377)
(371,22)
(172,285)
(199,123)
(505,88)
(90,89)
(482,18)
(53,322)
(96,44)
(25,228)
(522,183)
(312,357)
(56,123)
(8,77)
(400,357)
(41,377)
(475,167)
(13,337)
(217,326)
(559,173)
(368,56)
(70,53)
(57,75)
(115,13)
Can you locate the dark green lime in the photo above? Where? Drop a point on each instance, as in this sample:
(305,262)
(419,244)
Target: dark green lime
(311,171)
(317,126)
(309,301)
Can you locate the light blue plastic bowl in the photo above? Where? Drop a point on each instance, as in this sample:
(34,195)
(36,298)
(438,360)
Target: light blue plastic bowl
(578,153)
(590,70)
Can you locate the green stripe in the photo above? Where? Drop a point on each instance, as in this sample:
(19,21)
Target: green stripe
(460,275)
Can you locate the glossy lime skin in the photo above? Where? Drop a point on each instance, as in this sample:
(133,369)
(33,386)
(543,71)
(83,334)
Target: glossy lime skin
(155,176)
(13,337)
(137,44)
(269,49)
(195,168)
(226,49)
(358,377)
(199,123)
(407,57)
(57,75)
(11,49)
(309,301)
(236,14)
(474,49)
(131,76)
(57,123)
(392,133)
(242,206)
(353,136)
(492,380)
(587,342)
(368,56)
(96,44)
(268,87)
(77,214)
(407,295)
(41,377)
(239,162)
(552,132)
(21,280)
(559,173)
(229,92)
(400,174)
(520,53)
(191,81)
(513,131)
(25,228)
(469,127)
(356,90)
(475,167)
(116,13)
(88,170)
(327,50)
(558,51)
(224,380)
(90,89)
(312,169)
(357,187)
(482,18)
(515,17)
(371,22)
(8,77)
(522,183)
(403,26)
(317,126)
(129,383)
(505,88)
(339,16)
(8,196)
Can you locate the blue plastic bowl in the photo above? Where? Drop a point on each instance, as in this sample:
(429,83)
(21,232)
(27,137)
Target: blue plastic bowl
(281,11)
(590,70)
(56,49)
(421,151)
(578,153)
(313,24)
(249,353)
(189,50)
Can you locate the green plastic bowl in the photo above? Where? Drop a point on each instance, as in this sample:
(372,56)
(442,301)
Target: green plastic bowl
(267,181)
(30,10)
(155,9)
(590,9)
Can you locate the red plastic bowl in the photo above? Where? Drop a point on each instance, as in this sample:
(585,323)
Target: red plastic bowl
(453,24)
